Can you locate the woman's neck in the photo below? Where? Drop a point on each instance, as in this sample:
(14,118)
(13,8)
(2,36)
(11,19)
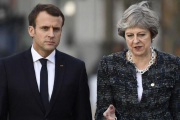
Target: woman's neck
(141,62)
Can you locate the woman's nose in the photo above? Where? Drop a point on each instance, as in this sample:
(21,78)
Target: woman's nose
(136,39)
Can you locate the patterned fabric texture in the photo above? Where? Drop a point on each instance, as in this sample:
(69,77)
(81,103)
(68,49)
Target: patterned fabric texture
(117,85)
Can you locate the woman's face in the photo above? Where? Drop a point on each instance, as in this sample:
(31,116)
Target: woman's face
(138,40)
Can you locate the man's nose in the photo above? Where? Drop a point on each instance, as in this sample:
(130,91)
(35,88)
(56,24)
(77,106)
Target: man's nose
(51,33)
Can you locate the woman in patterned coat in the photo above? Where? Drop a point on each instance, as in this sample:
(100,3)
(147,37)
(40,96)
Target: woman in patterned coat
(140,83)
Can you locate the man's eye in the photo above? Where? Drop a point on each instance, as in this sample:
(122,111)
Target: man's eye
(44,28)
(56,29)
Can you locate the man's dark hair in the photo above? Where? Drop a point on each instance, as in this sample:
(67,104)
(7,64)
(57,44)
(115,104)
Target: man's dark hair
(49,8)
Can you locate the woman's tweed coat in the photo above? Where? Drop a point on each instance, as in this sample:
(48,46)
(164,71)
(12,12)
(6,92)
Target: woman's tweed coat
(117,85)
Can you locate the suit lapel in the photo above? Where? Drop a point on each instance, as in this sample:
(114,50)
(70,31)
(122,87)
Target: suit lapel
(30,73)
(59,73)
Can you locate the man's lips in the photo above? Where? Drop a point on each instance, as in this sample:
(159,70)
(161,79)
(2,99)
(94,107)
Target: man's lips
(49,42)
(137,46)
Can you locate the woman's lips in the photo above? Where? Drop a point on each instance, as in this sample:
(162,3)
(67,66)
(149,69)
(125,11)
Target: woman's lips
(138,47)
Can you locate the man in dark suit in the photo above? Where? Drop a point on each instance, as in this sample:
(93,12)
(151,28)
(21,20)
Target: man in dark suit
(43,83)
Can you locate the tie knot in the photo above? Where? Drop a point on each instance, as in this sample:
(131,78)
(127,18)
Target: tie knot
(43,61)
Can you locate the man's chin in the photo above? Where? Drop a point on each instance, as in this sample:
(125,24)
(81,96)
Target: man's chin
(50,49)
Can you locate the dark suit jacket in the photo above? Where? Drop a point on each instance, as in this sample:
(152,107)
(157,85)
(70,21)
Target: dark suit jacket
(117,85)
(19,94)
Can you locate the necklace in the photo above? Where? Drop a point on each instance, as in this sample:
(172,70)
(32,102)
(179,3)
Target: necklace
(150,62)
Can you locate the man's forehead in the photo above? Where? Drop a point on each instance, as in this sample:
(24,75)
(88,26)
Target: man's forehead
(49,21)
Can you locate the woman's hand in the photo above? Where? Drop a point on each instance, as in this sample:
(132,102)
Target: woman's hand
(109,114)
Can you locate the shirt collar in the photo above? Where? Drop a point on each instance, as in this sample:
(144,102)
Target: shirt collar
(36,56)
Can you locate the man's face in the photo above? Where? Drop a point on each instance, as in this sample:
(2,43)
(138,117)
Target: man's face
(46,35)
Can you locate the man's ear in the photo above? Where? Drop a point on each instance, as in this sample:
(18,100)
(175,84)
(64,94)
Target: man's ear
(31,31)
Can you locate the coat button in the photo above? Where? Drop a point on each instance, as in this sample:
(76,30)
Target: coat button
(152,84)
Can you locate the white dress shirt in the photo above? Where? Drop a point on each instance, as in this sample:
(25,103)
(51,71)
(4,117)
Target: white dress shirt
(140,87)
(50,67)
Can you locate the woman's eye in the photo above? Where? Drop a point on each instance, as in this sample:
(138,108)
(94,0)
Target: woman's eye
(142,34)
(129,35)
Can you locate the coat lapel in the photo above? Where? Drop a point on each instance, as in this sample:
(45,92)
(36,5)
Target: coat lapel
(127,70)
(30,73)
(59,73)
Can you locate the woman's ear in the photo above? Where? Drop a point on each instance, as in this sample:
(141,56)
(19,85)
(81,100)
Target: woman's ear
(31,31)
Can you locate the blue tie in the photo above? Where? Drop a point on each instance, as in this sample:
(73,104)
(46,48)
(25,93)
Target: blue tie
(44,83)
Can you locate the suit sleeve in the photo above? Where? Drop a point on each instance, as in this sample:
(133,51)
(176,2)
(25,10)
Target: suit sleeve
(82,109)
(175,97)
(104,94)
(3,92)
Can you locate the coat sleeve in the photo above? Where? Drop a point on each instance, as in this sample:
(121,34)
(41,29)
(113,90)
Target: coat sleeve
(82,109)
(104,93)
(175,97)
(3,92)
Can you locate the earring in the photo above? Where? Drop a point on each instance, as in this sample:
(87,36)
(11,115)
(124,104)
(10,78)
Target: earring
(152,39)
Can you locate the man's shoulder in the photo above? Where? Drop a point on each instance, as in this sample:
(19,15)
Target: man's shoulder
(12,60)
(68,57)
(14,56)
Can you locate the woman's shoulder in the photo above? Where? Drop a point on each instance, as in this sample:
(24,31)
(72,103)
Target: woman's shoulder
(167,57)
(115,56)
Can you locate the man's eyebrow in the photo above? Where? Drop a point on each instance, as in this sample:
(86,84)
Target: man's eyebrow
(56,27)
(44,26)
